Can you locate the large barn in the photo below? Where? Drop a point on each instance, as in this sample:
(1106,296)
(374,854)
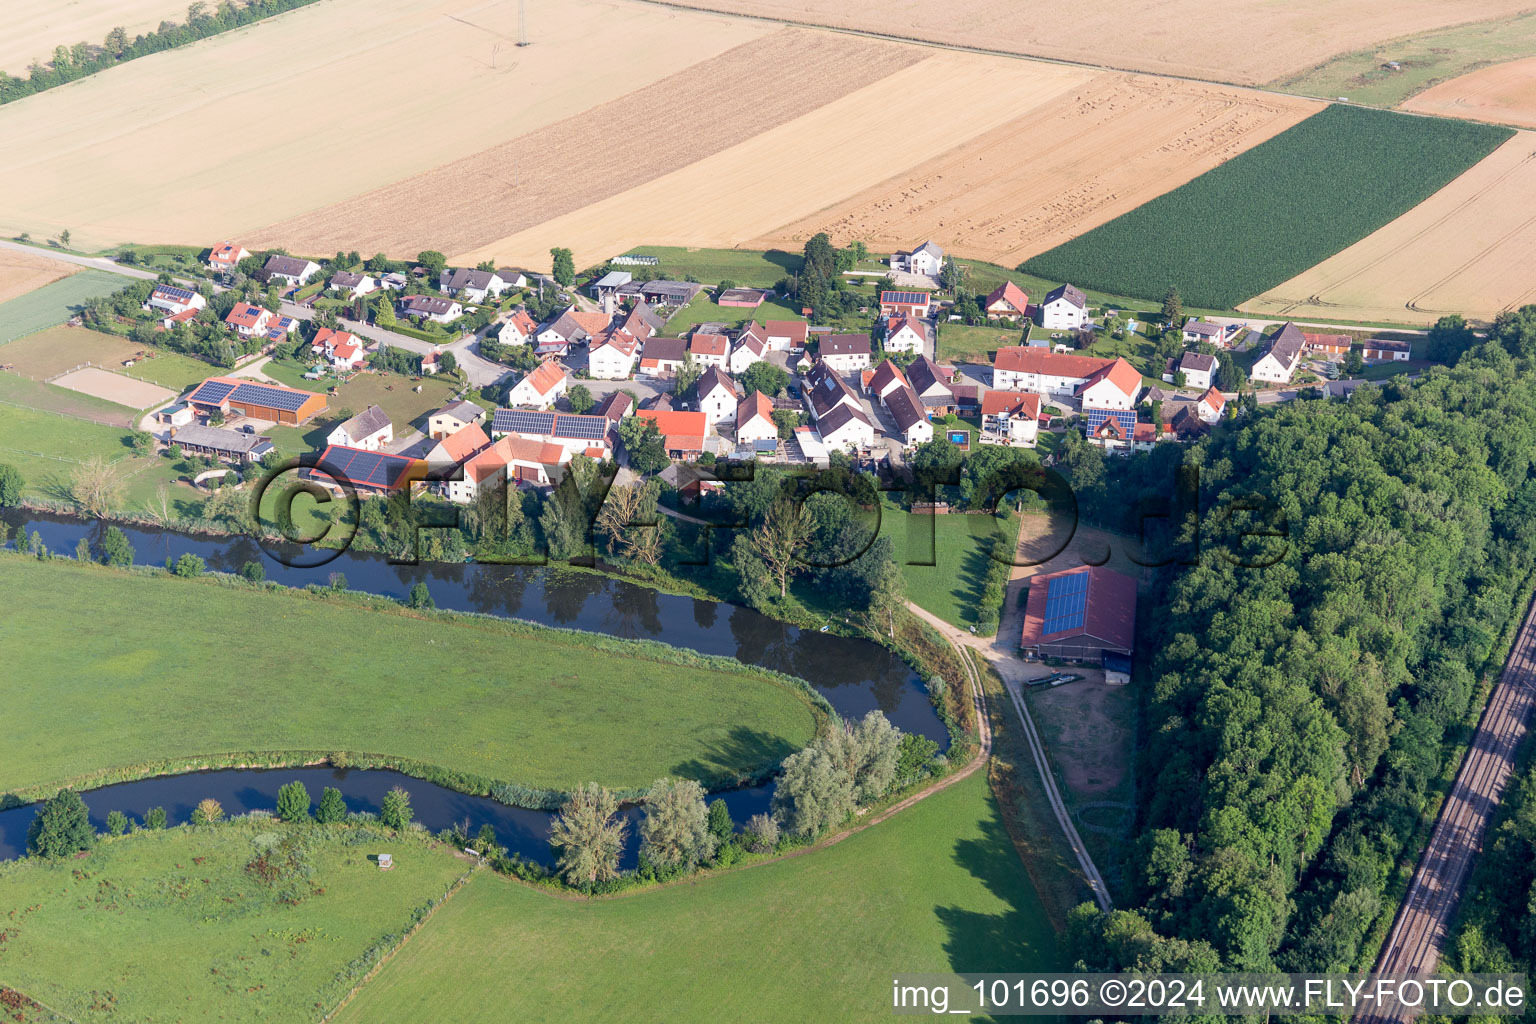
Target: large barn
(259,401)
(1080,614)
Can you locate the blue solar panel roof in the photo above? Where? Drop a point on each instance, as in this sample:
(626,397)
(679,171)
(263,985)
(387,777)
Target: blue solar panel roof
(211,392)
(270,397)
(1124,418)
(172,292)
(364,468)
(1066,603)
(549,424)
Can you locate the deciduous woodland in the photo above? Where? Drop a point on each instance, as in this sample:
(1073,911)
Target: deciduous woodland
(1301,715)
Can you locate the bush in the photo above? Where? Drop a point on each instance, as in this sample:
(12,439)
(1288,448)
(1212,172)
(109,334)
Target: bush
(253,572)
(332,809)
(420,597)
(62,828)
(720,823)
(155,818)
(762,833)
(11,486)
(208,812)
(293,802)
(395,811)
(117,822)
(189,565)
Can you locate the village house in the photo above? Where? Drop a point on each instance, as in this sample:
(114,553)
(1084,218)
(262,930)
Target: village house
(750,347)
(1199,370)
(1282,354)
(1210,406)
(1065,309)
(786,335)
(927,259)
(1051,374)
(540,388)
(642,321)
(576,434)
(234,446)
(1013,416)
(612,356)
(280,327)
(614,406)
(845,353)
(911,419)
(1386,350)
(1112,387)
(472,285)
(916,305)
(708,349)
(394,281)
(1196,331)
(754,419)
(905,334)
(716,395)
(516,460)
(452,418)
(1111,429)
(431,307)
(353,286)
(663,357)
(1006,302)
(884,379)
(571,327)
(172,299)
(290,270)
(226,255)
(825,390)
(454,448)
(931,385)
(1331,346)
(846,427)
(433,361)
(517,329)
(369,429)
(343,349)
(249,321)
(683,433)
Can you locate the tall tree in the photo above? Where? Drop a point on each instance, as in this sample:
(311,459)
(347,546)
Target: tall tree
(62,828)
(675,832)
(562,265)
(589,836)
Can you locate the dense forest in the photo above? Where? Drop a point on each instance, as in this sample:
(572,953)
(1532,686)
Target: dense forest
(1299,715)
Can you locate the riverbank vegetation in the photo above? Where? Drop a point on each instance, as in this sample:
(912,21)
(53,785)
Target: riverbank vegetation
(227,669)
(242,920)
(1304,709)
(936,887)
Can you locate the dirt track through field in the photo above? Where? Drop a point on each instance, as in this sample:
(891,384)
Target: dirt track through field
(1505,93)
(1469,249)
(1056,171)
(1422,927)
(600,152)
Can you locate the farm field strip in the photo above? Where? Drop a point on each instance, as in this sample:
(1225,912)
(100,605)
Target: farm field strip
(444,80)
(791,170)
(1469,249)
(1056,171)
(1505,93)
(1189,38)
(22,272)
(521,182)
(1261,218)
(52,304)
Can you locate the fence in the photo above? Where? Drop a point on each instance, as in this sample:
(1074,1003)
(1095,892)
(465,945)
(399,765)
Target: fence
(88,364)
(67,415)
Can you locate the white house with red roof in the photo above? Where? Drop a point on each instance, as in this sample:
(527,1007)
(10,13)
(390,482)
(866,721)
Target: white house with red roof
(1052,374)
(540,389)
(173,299)
(754,419)
(226,255)
(343,348)
(709,349)
(249,321)
(612,356)
(906,334)
(1112,387)
(1013,416)
(517,329)
(751,347)
(786,335)
(1210,406)
(1007,301)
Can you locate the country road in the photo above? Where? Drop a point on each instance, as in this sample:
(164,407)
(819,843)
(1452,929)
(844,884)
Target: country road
(1419,934)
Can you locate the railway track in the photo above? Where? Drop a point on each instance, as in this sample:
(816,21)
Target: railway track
(1418,934)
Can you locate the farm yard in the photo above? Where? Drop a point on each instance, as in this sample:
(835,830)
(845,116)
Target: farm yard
(1504,93)
(53,303)
(1260,218)
(1095,151)
(92,157)
(1469,249)
(221,944)
(471,203)
(1187,38)
(935,888)
(22,272)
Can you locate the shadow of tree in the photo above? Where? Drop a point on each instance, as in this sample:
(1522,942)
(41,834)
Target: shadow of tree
(741,753)
(1019,939)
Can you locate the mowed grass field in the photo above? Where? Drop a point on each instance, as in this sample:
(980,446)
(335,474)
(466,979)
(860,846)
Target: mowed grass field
(938,887)
(62,348)
(168,925)
(956,545)
(52,304)
(44,397)
(111,669)
(703,310)
(1275,210)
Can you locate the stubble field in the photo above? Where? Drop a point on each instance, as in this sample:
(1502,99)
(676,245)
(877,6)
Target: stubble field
(1194,38)
(22,272)
(1470,249)
(1505,93)
(1074,162)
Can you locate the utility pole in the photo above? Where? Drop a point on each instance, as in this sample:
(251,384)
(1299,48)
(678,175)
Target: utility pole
(522,22)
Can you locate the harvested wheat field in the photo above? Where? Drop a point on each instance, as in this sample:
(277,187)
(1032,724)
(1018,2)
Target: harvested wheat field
(599,152)
(791,170)
(1504,93)
(1056,171)
(22,272)
(316,106)
(1470,249)
(34,27)
(1248,42)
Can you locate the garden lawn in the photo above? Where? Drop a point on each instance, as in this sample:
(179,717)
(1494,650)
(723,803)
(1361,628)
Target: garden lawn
(961,344)
(167,925)
(936,888)
(1275,210)
(956,545)
(53,303)
(749,268)
(703,310)
(111,669)
(396,395)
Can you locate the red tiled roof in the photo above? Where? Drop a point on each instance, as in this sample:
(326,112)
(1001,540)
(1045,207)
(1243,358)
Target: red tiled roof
(752,407)
(1214,399)
(1022,359)
(795,330)
(1109,615)
(684,431)
(464,442)
(544,377)
(1119,373)
(1011,403)
(1010,293)
(709,344)
(246,315)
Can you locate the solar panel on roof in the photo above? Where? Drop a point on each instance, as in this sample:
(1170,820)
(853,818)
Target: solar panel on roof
(1066,603)
(1124,418)
(375,469)
(211,392)
(584,428)
(269,397)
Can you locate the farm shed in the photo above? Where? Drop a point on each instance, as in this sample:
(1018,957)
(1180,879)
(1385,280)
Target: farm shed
(1079,614)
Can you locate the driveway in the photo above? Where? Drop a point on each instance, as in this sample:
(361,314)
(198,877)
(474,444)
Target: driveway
(478,370)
